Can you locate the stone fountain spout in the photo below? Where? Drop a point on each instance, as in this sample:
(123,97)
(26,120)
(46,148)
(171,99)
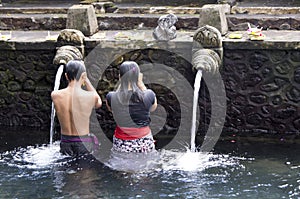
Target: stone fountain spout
(65,54)
(207,52)
(206,60)
(70,46)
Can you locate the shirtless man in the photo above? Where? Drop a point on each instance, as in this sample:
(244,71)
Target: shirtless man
(74,106)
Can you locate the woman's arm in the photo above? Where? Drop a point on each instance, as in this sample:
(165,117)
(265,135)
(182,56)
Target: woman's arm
(108,107)
(154,106)
(107,101)
(140,83)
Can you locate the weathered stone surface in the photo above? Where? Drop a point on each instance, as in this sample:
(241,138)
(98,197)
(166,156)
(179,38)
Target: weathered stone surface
(213,15)
(38,22)
(294,94)
(13,86)
(265,10)
(104,7)
(278,22)
(82,18)
(269,105)
(258,98)
(18,88)
(297,75)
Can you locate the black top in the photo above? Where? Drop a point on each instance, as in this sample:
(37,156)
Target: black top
(131,114)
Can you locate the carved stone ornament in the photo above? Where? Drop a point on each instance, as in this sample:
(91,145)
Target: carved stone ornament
(71,37)
(166,30)
(208,37)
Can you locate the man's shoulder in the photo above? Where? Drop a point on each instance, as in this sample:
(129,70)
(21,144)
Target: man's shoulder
(59,93)
(56,93)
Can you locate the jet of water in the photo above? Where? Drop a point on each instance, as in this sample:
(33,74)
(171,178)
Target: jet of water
(56,87)
(197,85)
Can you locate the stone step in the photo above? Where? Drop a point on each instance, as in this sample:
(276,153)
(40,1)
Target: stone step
(34,10)
(108,8)
(105,21)
(157,10)
(264,10)
(113,21)
(277,22)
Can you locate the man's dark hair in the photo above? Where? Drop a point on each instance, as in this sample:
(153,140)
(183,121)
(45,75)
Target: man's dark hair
(74,69)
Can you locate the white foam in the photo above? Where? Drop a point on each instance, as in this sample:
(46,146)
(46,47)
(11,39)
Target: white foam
(34,157)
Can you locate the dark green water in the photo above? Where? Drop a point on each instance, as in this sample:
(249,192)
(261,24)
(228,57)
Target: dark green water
(256,170)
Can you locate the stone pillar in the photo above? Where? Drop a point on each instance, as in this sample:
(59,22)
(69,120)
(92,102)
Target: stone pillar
(83,18)
(214,15)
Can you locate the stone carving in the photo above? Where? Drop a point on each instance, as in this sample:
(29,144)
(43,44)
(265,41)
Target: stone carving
(165,30)
(71,37)
(207,49)
(65,54)
(208,37)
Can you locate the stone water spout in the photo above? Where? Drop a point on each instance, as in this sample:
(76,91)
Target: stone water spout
(70,46)
(207,56)
(207,49)
(65,54)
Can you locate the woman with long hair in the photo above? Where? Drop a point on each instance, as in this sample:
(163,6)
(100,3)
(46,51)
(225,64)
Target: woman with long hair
(131,105)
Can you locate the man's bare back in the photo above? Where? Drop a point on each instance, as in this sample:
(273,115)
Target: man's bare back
(74,105)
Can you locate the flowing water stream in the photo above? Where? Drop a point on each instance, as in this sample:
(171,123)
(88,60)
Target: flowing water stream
(56,87)
(197,85)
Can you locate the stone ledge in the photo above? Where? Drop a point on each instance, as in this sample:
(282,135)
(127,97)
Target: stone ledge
(22,40)
(279,40)
(277,22)
(105,22)
(144,21)
(33,10)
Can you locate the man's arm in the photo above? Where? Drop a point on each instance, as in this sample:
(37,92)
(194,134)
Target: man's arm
(89,87)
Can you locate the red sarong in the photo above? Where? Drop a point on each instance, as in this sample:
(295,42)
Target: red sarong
(128,133)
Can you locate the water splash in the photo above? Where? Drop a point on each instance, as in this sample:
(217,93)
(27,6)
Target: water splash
(190,161)
(34,157)
(168,161)
(197,85)
(56,87)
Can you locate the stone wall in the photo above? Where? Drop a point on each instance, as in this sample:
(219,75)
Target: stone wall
(26,79)
(262,88)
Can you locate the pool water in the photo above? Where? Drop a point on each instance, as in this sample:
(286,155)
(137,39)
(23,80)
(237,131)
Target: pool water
(233,170)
